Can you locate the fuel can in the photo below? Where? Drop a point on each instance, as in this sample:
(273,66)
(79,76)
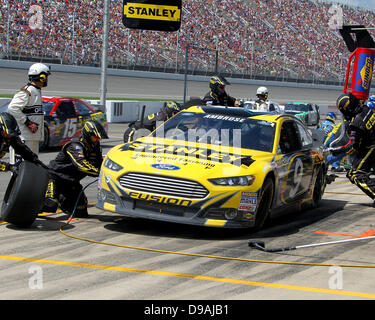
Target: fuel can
(362,72)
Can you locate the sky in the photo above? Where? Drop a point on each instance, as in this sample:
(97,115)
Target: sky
(368,4)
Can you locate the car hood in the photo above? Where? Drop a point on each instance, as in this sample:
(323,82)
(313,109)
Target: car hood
(186,159)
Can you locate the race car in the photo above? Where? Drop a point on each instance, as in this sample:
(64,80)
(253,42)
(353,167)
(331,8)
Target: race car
(307,112)
(217,167)
(64,119)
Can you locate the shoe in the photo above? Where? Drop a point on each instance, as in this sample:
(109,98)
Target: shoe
(81,215)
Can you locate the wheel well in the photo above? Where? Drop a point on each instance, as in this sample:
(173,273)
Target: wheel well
(271,175)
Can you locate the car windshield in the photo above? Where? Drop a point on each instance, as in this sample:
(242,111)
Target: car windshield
(219,129)
(296,107)
(47,106)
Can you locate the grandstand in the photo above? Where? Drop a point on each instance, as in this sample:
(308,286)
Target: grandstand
(268,39)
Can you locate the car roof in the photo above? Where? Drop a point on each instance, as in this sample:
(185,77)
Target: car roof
(298,103)
(233,111)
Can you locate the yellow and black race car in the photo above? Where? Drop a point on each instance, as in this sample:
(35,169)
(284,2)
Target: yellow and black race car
(215,167)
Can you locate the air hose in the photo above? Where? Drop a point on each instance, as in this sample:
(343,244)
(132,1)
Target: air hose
(78,198)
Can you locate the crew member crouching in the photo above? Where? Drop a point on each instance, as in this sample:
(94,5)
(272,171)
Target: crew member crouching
(78,158)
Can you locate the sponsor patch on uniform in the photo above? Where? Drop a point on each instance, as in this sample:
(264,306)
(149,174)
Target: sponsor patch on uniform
(248,202)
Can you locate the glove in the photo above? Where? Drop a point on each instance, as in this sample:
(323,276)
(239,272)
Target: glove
(335,151)
(12,168)
(37,161)
(33,126)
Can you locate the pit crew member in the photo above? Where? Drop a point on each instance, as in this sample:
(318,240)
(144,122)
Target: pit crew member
(150,122)
(261,102)
(362,141)
(78,158)
(217,95)
(9,137)
(26,107)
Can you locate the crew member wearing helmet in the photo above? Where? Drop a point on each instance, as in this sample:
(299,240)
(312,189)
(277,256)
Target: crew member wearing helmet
(77,159)
(217,95)
(9,137)
(362,141)
(150,122)
(261,102)
(26,107)
(331,130)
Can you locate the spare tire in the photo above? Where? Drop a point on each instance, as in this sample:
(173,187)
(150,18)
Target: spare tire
(24,196)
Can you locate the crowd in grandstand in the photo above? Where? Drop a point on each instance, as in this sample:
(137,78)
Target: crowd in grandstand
(254,37)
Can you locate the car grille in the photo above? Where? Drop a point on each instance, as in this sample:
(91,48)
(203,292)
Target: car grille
(163,185)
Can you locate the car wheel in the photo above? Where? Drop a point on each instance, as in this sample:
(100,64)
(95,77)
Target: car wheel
(265,203)
(24,195)
(318,191)
(43,145)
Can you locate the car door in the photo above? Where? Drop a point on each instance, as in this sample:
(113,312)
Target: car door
(295,165)
(67,115)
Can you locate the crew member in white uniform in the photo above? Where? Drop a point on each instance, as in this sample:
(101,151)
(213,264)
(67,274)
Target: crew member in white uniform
(26,107)
(261,102)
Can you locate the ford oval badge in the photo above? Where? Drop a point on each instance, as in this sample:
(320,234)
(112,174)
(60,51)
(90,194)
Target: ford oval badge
(162,166)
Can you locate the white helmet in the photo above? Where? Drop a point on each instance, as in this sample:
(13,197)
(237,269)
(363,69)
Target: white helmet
(262,91)
(38,72)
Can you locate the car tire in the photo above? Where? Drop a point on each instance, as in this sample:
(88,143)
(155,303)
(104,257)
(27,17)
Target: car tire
(43,145)
(318,190)
(24,195)
(265,204)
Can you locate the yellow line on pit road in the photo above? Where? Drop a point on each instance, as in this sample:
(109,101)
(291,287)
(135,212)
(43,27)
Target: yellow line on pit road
(191,276)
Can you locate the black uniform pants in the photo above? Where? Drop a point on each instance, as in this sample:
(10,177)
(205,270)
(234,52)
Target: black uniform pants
(64,194)
(359,174)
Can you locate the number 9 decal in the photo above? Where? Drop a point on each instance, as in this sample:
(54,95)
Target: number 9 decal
(297,177)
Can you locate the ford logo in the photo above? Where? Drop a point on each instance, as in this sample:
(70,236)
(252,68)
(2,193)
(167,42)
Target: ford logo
(162,166)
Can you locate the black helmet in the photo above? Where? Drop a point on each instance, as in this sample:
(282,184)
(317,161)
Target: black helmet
(93,128)
(171,108)
(9,125)
(217,81)
(349,105)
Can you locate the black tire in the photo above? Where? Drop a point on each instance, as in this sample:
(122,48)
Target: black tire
(265,204)
(24,196)
(318,191)
(43,145)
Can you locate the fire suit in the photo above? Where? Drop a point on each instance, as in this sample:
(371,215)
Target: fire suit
(212,99)
(74,162)
(362,146)
(20,148)
(149,123)
(26,106)
(261,105)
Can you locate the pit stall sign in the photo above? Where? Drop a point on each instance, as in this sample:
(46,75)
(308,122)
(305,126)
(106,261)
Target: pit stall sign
(159,15)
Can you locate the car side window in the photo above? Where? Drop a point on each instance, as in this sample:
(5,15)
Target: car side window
(82,108)
(290,140)
(306,139)
(66,110)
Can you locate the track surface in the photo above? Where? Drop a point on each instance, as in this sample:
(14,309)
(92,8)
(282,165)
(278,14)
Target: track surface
(187,262)
(88,85)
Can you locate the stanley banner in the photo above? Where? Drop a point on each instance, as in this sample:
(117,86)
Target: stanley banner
(160,15)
